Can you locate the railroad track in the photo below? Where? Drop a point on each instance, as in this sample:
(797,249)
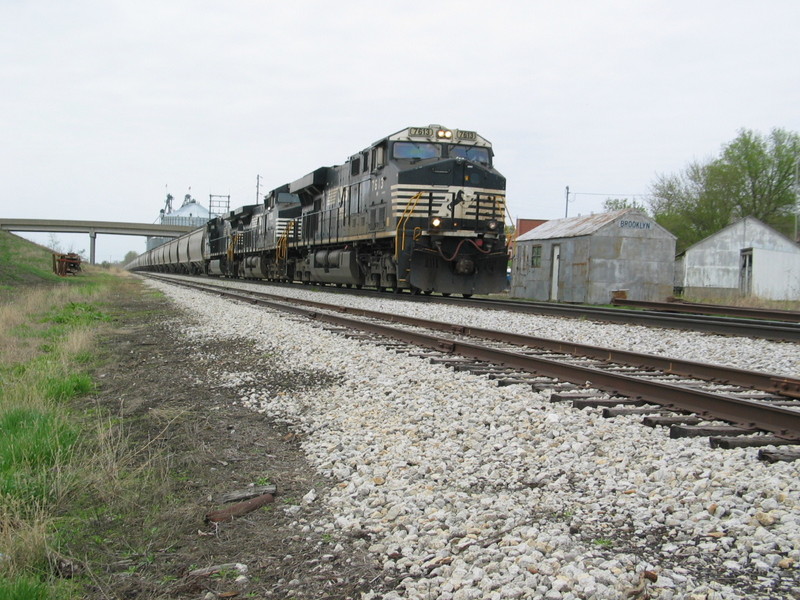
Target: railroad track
(742,322)
(760,409)
(713,309)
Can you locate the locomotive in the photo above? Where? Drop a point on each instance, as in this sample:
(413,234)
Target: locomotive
(422,209)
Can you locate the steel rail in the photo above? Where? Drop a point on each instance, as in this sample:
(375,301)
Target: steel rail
(768,382)
(770,330)
(713,309)
(756,328)
(784,422)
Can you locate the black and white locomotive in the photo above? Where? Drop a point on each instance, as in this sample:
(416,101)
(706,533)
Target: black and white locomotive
(422,209)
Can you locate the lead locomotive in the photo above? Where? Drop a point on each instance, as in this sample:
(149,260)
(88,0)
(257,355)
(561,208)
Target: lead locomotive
(422,209)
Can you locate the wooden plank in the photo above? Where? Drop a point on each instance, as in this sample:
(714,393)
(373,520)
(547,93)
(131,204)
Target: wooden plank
(748,442)
(682,431)
(509,381)
(603,403)
(610,413)
(565,397)
(671,420)
(773,456)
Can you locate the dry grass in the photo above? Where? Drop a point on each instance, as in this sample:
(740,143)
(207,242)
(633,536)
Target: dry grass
(24,533)
(19,342)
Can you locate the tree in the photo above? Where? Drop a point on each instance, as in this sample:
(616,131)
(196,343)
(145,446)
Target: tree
(129,256)
(614,204)
(55,245)
(753,176)
(758,174)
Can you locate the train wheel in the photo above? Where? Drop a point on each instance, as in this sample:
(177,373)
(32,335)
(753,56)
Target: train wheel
(428,292)
(467,295)
(446,294)
(415,291)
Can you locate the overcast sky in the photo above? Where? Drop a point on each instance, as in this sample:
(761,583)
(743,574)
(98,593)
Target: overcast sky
(106,105)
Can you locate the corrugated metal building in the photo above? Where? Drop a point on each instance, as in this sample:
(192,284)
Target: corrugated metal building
(591,259)
(746,258)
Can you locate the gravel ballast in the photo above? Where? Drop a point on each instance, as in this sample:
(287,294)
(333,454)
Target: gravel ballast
(462,489)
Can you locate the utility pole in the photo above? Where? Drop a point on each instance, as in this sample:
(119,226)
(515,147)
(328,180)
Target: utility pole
(796,197)
(566,204)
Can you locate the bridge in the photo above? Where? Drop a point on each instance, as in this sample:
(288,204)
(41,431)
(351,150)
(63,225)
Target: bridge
(93,228)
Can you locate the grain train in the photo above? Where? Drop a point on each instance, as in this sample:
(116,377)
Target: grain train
(422,209)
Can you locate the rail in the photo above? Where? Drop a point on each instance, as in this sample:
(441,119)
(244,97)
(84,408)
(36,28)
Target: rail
(712,309)
(784,422)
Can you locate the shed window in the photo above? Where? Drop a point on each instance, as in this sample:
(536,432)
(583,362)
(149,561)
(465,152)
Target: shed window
(536,256)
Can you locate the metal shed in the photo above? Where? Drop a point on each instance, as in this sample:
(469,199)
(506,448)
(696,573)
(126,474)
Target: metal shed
(592,259)
(746,258)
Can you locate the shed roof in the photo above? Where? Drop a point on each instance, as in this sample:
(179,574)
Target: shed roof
(575,226)
(747,240)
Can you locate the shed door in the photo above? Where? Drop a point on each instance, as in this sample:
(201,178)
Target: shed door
(554,272)
(746,271)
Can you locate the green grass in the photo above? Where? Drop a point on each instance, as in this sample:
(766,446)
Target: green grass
(23,588)
(22,262)
(67,386)
(33,439)
(48,457)
(76,314)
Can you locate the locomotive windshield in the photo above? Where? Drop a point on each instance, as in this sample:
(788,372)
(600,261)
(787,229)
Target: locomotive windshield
(416,150)
(471,153)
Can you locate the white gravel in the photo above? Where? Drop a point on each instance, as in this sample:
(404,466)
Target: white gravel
(463,489)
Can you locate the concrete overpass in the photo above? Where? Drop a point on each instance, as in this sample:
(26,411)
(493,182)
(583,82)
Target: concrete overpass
(93,228)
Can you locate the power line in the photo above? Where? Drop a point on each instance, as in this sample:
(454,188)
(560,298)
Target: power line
(609,195)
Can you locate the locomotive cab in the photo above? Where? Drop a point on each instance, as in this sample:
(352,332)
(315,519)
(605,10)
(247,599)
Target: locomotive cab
(456,214)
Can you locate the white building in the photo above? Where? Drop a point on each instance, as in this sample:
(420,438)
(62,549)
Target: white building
(747,258)
(189,214)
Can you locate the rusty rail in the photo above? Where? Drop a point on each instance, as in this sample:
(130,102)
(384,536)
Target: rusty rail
(713,309)
(782,421)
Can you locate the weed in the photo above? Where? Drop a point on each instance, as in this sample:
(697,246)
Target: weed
(75,314)
(603,542)
(69,386)
(23,588)
(33,439)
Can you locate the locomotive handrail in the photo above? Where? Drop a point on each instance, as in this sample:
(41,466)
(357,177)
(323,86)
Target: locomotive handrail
(404,218)
(235,238)
(282,251)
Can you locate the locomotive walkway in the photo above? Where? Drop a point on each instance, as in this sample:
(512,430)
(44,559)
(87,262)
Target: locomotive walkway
(93,228)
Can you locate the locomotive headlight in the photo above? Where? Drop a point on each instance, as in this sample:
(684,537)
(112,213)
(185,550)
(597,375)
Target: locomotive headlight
(444,134)
(493,225)
(436,222)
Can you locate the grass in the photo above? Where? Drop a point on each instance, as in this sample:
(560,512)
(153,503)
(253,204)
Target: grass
(58,469)
(22,262)
(23,588)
